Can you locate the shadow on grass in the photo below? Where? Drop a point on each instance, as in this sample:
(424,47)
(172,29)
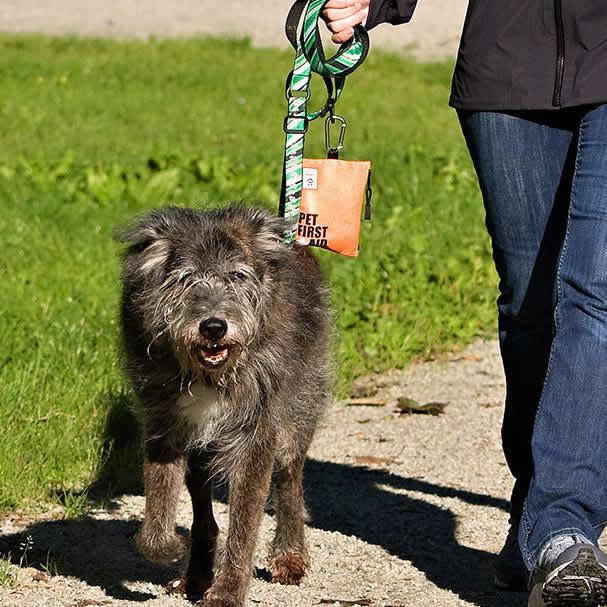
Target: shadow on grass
(351,500)
(120,468)
(120,463)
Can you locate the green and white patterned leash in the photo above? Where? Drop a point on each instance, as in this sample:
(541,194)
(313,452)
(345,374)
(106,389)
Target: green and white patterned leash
(310,58)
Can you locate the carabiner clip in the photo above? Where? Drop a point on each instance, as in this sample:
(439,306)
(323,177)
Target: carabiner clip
(334,152)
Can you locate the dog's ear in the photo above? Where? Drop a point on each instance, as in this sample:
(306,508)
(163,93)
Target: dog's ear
(268,232)
(143,231)
(147,239)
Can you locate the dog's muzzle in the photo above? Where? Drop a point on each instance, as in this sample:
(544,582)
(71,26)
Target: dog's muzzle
(214,352)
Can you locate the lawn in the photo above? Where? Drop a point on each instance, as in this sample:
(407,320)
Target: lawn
(94,132)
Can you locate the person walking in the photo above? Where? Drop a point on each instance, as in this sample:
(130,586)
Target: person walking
(530,90)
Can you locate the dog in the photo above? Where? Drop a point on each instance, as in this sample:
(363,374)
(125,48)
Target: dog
(227,338)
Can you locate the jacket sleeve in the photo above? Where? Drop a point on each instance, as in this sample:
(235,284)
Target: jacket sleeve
(390,11)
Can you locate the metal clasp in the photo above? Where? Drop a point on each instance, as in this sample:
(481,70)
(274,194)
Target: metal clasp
(342,133)
(291,94)
(300,131)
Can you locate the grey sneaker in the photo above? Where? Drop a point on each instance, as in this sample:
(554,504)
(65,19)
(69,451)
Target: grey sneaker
(572,573)
(509,571)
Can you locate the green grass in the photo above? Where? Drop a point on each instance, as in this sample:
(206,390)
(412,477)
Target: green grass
(93,132)
(9,565)
(8,575)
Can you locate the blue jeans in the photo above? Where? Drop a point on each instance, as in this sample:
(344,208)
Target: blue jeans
(543,176)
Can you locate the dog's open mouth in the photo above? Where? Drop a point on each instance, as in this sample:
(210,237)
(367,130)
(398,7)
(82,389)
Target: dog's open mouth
(214,355)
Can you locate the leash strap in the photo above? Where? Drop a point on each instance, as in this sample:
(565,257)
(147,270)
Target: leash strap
(310,57)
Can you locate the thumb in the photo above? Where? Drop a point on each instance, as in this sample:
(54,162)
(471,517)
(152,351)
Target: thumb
(343,36)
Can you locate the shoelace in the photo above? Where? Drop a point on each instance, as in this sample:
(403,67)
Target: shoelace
(558,545)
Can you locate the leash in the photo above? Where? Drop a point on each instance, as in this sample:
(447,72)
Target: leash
(310,57)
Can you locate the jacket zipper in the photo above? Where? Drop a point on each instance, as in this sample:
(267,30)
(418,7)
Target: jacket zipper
(560,53)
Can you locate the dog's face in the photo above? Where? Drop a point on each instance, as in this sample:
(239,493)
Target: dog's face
(202,280)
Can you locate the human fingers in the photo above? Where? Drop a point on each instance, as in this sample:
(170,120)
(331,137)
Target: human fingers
(337,14)
(338,4)
(348,22)
(343,36)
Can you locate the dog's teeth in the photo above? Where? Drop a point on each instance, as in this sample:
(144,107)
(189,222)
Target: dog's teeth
(215,353)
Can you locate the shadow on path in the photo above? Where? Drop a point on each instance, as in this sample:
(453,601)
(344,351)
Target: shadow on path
(360,501)
(352,500)
(99,552)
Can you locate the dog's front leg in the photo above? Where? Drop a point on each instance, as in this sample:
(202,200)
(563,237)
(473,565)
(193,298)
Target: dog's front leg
(289,558)
(199,576)
(249,486)
(163,474)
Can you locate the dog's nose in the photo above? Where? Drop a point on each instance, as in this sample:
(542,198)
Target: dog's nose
(213,328)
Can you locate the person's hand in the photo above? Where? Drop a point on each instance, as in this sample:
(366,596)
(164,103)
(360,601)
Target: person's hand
(342,16)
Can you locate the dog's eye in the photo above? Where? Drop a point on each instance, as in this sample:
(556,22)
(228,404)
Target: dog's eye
(238,275)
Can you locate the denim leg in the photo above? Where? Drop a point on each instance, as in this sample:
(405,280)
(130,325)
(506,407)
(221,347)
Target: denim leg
(568,490)
(524,164)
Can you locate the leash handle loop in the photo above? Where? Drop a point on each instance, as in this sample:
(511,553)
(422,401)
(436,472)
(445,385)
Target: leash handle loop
(310,57)
(349,56)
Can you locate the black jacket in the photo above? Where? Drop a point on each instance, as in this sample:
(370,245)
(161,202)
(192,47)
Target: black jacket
(523,54)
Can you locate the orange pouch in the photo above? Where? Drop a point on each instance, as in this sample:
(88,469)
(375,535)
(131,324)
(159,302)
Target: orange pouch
(331,204)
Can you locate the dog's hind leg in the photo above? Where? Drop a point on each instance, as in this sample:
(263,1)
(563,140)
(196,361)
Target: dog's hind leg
(163,473)
(288,555)
(249,487)
(199,576)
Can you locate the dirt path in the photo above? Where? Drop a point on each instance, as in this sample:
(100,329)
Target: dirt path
(406,510)
(433,33)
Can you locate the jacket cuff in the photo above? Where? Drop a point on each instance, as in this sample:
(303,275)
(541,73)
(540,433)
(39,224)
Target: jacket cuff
(390,11)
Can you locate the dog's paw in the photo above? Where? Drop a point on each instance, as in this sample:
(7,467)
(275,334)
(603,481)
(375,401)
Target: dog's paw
(176,586)
(192,587)
(288,568)
(161,549)
(211,599)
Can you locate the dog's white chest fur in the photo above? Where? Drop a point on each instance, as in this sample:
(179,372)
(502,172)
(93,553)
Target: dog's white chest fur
(199,405)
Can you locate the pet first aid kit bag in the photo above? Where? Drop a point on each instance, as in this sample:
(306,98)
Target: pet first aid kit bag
(321,199)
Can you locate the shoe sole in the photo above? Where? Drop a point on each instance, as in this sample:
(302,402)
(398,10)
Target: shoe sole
(579,583)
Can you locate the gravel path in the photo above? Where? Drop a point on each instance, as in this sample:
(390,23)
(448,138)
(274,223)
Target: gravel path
(406,510)
(433,33)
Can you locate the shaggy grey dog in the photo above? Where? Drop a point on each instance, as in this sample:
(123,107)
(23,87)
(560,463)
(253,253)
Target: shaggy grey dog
(226,333)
